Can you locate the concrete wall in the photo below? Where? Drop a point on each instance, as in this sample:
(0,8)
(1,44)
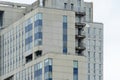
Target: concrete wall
(11,15)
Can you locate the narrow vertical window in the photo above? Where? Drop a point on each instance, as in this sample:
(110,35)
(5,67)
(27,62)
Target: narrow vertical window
(88,67)
(48,69)
(75,70)
(94,77)
(1,18)
(94,68)
(88,77)
(38,71)
(100,32)
(65,34)
(41,3)
(100,57)
(28,34)
(90,14)
(65,5)
(38,29)
(72,6)
(94,56)
(100,78)
(88,31)
(89,55)
(100,68)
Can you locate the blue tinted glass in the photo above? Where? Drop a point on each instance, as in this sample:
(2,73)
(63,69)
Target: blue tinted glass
(48,68)
(28,40)
(50,79)
(65,19)
(38,23)
(38,35)
(64,31)
(64,50)
(28,28)
(39,72)
(75,77)
(75,70)
(64,37)
(64,25)
(64,34)
(65,44)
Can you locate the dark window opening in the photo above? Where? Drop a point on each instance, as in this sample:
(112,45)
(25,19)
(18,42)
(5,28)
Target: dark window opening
(38,53)
(72,6)
(29,58)
(65,5)
(44,3)
(1,18)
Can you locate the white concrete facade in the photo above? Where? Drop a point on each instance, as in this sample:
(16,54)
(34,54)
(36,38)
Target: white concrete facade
(53,32)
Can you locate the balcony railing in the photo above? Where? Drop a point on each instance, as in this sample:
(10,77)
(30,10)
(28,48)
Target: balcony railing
(80,35)
(80,47)
(80,13)
(80,25)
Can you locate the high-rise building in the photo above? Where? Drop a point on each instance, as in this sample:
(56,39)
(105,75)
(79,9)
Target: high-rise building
(50,40)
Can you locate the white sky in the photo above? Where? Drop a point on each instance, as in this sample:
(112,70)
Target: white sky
(107,12)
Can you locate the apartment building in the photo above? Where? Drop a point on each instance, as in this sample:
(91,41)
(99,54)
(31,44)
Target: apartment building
(50,40)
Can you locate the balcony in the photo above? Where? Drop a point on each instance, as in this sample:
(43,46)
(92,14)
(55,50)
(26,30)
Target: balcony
(80,47)
(80,25)
(80,13)
(80,36)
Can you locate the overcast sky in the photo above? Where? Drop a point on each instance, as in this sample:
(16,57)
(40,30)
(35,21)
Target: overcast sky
(107,12)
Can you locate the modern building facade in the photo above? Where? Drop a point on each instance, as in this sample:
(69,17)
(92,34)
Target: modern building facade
(50,40)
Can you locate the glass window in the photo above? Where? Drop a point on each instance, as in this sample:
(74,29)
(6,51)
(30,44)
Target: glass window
(99,68)
(88,77)
(65,5)
(72,6)
(100,78)
(39,65)
(38,35)
(41,3)
(48,62)
(88,67)
(94,67)
(38,16)
(48,69)
(90,13)
(64,19)
(89,54)
(75,77)
(38,23)
(75,63)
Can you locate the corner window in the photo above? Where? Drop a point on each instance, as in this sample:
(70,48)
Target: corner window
(48,69)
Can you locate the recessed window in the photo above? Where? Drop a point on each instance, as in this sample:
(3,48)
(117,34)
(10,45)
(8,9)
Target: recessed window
(1,18)
(72,6)
(38,53)
(29,58)
(65,5)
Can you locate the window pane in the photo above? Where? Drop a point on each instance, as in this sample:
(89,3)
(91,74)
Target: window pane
(75,64)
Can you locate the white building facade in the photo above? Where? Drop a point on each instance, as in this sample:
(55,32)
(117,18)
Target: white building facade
(50,40)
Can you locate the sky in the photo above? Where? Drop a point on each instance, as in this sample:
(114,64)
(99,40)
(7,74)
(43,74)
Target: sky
(107,12)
